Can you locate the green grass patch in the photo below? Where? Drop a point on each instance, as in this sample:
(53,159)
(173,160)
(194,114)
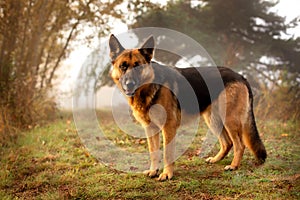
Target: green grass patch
(51,163)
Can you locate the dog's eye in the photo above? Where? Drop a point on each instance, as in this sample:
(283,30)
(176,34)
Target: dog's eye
(136,64)
(124,66)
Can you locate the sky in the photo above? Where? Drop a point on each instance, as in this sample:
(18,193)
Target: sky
(71,66)
(290,9)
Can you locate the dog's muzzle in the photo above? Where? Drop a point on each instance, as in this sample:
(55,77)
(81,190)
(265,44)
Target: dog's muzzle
(131,81)
(129,87)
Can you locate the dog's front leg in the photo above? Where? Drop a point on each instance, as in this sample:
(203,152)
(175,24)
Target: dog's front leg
(169,132)
(152,133)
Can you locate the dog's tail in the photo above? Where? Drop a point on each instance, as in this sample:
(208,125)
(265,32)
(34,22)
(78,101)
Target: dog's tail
(251,136)
(254,143)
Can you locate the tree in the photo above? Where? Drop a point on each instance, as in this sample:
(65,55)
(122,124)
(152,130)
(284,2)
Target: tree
(34,38)
(238,32)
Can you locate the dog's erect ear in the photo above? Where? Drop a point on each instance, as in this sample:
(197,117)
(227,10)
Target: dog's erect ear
(147,49)
(115,47)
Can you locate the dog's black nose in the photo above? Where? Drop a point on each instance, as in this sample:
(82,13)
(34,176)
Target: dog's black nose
(130,84)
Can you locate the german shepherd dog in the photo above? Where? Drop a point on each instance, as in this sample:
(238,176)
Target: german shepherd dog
(137,76)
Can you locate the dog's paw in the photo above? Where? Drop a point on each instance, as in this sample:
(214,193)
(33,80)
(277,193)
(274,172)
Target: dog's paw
(210,160)
(165,176)
(151,173)
(230,168)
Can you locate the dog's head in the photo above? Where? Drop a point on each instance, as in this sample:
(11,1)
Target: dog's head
(131,67)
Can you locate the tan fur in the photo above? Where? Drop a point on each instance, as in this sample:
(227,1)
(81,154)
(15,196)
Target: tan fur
(231,109)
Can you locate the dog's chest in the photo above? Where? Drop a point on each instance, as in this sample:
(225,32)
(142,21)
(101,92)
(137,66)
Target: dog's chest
(142,117)
(142,102)
(140,108)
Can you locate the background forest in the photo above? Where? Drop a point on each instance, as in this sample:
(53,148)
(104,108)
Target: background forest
(36,36)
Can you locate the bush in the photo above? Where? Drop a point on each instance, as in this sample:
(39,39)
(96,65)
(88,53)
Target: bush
(281,103)
(24,109)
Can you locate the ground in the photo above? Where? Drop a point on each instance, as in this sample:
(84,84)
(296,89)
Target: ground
(50,162)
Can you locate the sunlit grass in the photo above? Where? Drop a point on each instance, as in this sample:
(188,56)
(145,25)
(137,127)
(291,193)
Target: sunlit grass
(51,163)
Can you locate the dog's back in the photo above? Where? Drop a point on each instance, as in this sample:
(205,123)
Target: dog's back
(207,83)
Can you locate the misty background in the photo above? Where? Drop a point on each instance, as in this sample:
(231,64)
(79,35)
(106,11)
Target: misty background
(74,62)
(44,44)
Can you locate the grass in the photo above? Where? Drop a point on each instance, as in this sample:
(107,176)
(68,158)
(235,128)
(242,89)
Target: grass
(51,163)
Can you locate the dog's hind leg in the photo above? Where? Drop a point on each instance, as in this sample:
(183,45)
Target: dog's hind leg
(225,146)
(238,146)
(237,108)
(213,120)
(214,123)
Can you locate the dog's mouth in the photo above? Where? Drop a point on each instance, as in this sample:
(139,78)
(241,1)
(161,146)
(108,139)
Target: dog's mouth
(129,93)
(129,87)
